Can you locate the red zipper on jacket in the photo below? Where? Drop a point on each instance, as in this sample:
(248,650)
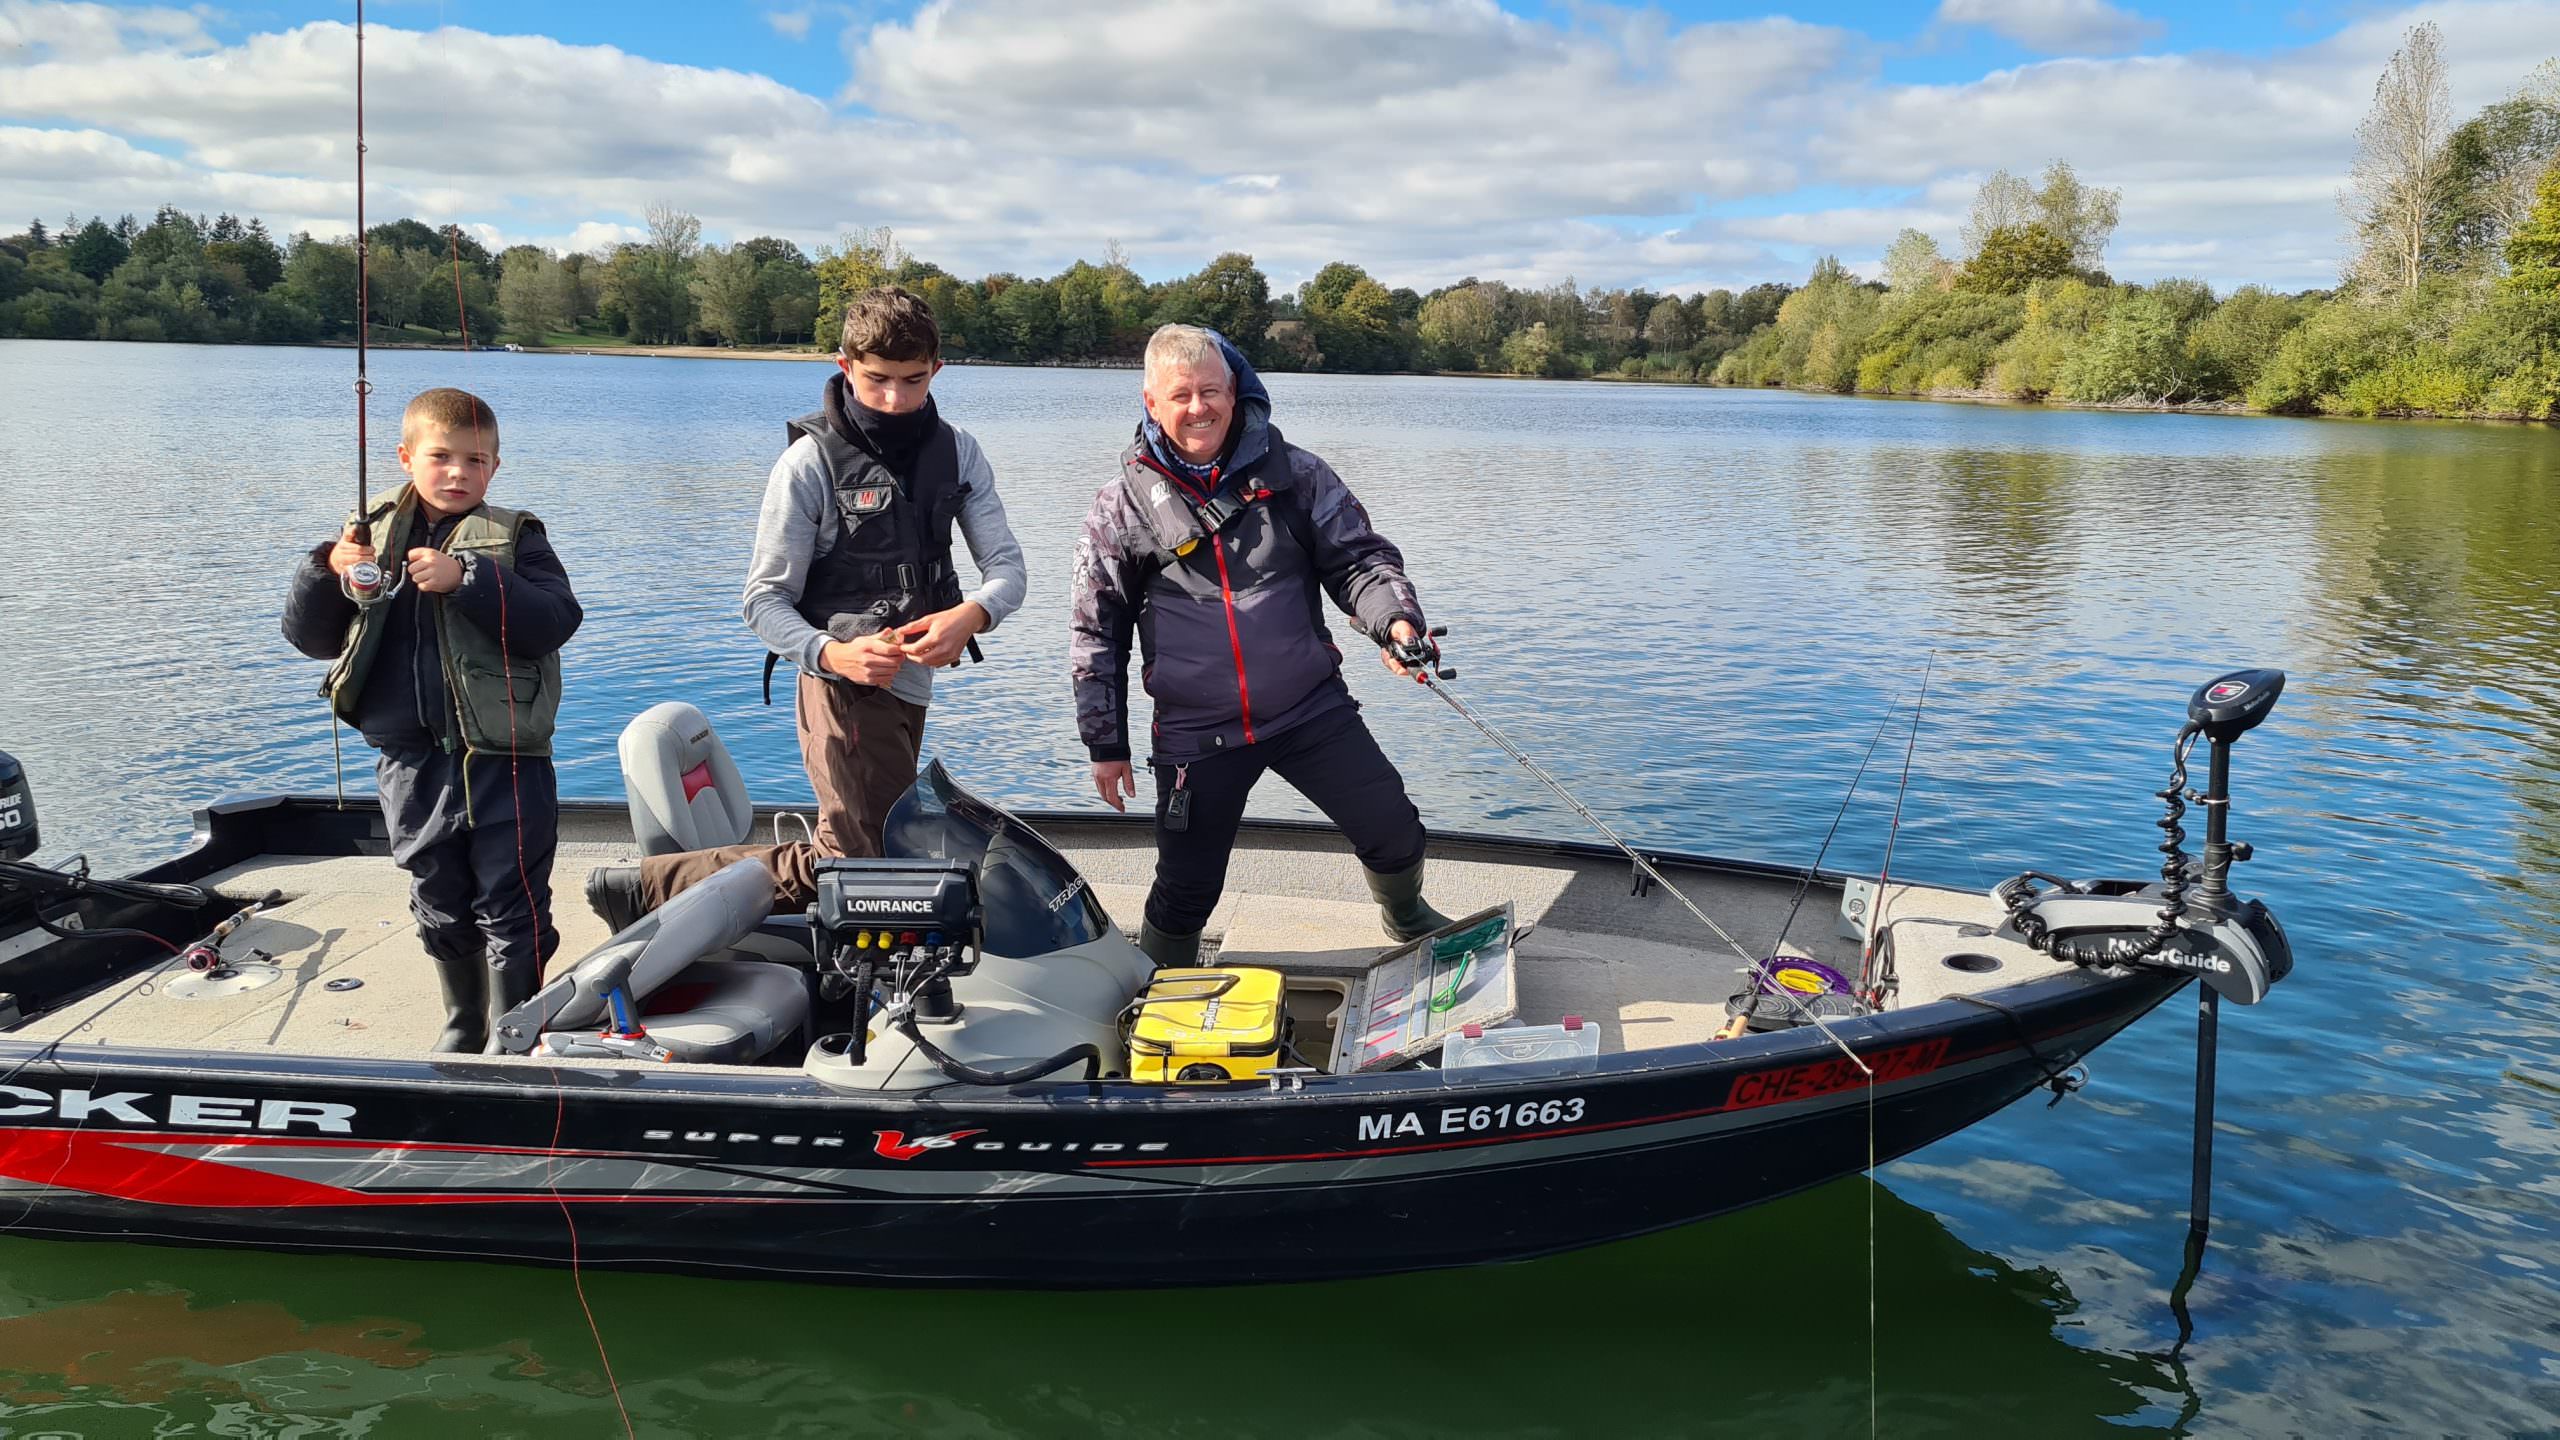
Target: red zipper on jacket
(1226,596)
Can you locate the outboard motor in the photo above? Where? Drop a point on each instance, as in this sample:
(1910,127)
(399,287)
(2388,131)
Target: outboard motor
(2189,921)
(19,837)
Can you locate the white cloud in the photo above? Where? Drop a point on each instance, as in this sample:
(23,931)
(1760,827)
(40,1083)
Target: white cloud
(31,30)
(2055,27)
(790,24)
(1424,139)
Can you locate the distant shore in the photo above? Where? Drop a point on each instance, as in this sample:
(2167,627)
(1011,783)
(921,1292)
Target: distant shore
(1953,397)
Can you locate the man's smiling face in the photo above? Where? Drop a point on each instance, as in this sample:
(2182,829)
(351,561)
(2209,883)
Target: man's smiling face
(1192,404)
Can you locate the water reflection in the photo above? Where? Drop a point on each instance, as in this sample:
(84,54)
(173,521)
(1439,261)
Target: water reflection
(1751,1326)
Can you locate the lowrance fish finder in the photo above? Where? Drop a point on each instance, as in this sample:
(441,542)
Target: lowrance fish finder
(905,926)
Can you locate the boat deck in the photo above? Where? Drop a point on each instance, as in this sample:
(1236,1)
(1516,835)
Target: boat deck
(355,982)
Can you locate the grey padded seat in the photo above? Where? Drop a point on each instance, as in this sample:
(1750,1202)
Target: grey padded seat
(684,790)
(697,993)
(686,793)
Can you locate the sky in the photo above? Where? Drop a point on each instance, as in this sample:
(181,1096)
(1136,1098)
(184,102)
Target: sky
(1678,146)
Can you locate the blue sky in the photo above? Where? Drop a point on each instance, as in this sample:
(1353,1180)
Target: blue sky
(1677,145)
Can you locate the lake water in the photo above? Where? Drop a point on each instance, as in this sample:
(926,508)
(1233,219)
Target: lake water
(1695,607)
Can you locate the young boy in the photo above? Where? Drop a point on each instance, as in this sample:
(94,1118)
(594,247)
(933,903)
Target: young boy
(455,677)
(852,581)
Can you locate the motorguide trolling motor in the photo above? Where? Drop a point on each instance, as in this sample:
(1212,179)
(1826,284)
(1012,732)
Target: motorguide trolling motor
(2189,921)
(2235,945)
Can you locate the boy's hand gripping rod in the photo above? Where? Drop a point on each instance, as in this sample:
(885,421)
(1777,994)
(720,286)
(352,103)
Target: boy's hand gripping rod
(1422,657)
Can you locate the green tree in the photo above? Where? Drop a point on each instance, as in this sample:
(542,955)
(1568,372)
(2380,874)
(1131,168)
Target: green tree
(2081,216)
(1912,264)
(1026,320)
(2013,257)
(859,260)
(533,293)
(2231,345)
(2533,251)
(1535,351)
(1229,295)
(2494,161)
(1085,324)
(1462,328)
(728,297)
(96,250)
(1671,327)
(320,276)
(645,287)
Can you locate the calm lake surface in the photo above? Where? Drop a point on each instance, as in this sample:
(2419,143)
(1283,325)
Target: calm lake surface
(1695,607)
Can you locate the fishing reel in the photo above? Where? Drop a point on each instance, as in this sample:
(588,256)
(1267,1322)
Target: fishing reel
(366,582)
(1421,653)
(2236,946)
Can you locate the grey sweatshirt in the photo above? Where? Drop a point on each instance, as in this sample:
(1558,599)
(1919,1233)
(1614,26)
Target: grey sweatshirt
(798,524)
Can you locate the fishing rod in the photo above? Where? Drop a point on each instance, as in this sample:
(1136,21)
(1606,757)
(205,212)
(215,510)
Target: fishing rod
(461,315)
(1868,989)
(1804,883)
(1422,657)
(364,582)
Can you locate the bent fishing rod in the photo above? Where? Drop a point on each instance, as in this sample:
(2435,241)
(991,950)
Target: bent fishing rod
(1421,656)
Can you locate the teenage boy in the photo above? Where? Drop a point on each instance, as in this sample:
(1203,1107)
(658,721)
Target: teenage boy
(852,581)
(454,676)
(1214,545)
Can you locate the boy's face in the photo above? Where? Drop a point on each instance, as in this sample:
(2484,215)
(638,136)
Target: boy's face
(450,469)
(893,387)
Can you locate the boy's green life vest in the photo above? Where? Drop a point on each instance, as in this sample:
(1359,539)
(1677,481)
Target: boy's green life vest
(502,708)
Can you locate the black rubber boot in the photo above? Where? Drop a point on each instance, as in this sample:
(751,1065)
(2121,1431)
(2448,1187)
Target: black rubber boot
(511,983)
(1401,909)
(1170,952)
(463,970)
(613,892)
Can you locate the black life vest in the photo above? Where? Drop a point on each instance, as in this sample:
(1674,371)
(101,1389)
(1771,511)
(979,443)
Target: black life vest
(891,562)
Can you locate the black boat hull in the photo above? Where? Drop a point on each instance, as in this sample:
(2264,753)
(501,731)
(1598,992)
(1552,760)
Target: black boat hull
(768,1173)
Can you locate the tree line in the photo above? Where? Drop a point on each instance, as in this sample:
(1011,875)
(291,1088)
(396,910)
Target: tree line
(2450,303)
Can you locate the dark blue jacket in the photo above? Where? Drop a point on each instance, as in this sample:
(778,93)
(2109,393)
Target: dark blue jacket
(1231,626)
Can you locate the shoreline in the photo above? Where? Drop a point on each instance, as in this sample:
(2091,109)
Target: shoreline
(1943,397)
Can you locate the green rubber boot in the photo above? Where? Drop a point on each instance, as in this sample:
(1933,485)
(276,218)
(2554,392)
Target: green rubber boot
(1170,952)
(1401,909)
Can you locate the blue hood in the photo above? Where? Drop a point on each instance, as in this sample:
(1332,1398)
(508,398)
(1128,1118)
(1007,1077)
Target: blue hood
(1247,437)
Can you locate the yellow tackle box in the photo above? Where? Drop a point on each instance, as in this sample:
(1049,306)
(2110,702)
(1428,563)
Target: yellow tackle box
(1206,1026)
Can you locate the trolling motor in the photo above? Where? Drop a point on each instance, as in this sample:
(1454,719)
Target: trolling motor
(2189,921)
(2235,945)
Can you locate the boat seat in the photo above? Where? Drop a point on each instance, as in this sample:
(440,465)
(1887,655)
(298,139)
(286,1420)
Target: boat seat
(685,791)
(698,992)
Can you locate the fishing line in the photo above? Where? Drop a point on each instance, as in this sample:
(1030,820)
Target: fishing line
(533,916)
(1757,967)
